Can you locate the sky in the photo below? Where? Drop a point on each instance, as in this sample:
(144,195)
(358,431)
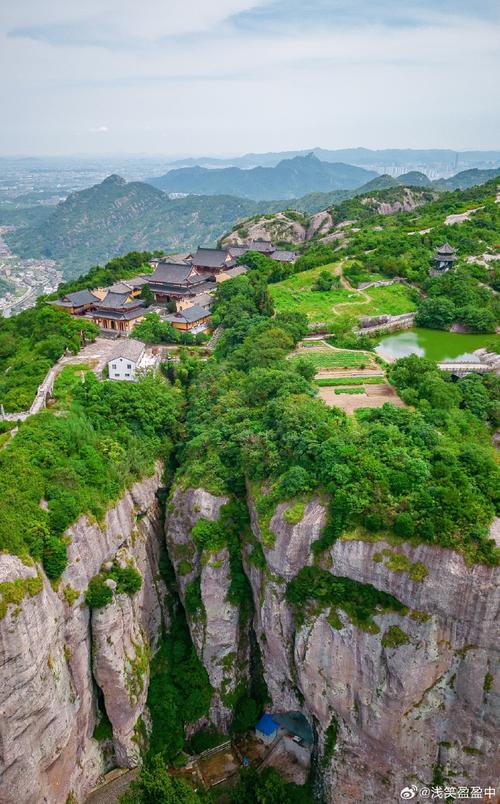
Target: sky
(206,77)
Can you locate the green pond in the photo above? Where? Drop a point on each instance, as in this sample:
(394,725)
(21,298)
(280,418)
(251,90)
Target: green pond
(434,344)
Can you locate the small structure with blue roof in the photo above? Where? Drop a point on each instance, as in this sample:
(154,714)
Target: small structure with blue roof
(267,729)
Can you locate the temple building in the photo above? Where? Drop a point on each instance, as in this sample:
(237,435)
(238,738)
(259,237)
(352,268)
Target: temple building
(79,302)
(172,280)
(263,247)
(119,312)
(192,319)
(443,260)
(212,260)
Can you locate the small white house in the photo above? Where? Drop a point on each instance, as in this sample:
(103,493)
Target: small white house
(125,361)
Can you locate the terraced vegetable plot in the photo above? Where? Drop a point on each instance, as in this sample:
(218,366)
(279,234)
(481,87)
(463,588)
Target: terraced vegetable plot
(332,358)
(329,382)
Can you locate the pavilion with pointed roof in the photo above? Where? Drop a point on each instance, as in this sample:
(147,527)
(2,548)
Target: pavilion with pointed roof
(443,260)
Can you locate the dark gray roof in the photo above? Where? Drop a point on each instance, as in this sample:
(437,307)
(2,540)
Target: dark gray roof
(210,257)
(236,251)
(120,287)
(126,314)
(190,315)
(264,246)
(128,348)
(237,270)
(283,256)
(445,249)
(203,299)
(81,297)
(171,273)
(113,300)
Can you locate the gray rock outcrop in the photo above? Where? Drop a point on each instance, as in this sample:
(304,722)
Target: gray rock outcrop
(400,711)
(219,641)
(48,707)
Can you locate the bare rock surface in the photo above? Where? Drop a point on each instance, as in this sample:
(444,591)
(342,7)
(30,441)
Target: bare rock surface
(215,631)
(400,710)
(48,707)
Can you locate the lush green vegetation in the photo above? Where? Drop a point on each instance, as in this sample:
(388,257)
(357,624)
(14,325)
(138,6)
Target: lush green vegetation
(339,309)
(268,787)
(354,391)
(179,691)
(334,381)
(128,581)
(126,267)
(154,785)
(30,343)
(154,330)
(105,437)
(333,358)
(426,474)
(314,588)
(394,637)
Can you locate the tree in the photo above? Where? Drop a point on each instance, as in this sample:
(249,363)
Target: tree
(437,313)
(155,786)
(146,295)
(324,281)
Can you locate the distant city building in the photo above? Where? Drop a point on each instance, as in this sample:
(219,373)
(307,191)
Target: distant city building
(125,360)
(443,259)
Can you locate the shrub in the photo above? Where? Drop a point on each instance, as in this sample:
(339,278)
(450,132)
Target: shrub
(193,602)
(54,557)
(404,526)
(394,637)
(98,594)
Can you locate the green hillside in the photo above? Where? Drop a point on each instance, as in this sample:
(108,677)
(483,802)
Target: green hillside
(114,217)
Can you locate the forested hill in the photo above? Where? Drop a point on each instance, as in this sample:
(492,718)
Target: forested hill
(290,178)
(114,217)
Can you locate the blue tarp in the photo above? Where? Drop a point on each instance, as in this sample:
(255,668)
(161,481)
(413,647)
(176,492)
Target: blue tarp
(266,725)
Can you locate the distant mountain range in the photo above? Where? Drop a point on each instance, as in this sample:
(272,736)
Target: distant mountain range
(290,178)
(433,162)
(115,217)
(461,181)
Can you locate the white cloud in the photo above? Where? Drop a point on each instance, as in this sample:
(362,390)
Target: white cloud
(116,20)
(229,88)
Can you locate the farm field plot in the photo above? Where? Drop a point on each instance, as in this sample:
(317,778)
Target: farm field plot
(374,396)
(334,359)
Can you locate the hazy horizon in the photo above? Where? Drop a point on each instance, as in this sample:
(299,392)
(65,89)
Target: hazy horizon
(235,76)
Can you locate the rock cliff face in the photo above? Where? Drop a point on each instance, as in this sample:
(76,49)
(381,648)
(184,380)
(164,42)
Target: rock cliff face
(415,699)
(215,630)
(53,651)
(403,713)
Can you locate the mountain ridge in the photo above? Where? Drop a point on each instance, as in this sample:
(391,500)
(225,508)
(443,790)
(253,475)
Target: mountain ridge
(94,224)
(290,178)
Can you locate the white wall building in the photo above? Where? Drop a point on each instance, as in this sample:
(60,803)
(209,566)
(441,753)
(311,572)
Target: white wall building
(125,360)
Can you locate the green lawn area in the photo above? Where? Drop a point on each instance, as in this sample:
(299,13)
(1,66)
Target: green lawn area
(333,359)
(296,294)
